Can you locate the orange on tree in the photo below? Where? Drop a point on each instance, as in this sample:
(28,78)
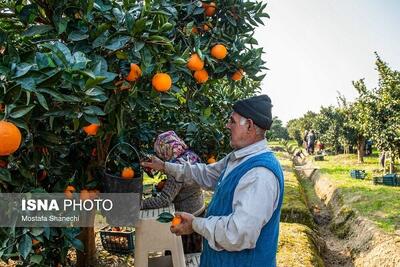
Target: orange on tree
(219,51)
(176,220)
(195,62)
(91,129)
(209,9)
(127,173)
(194,30)
(134,74)
(35,242)
(206,27)
(161,82)
(10,138)
(201,76)
(70,188)
(238,75)
(84,195)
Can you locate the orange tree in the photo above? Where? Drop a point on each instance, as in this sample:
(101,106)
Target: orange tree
(78,76)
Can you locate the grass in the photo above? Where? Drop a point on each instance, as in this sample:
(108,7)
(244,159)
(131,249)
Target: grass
(294,208)
(297,246)
(378,203)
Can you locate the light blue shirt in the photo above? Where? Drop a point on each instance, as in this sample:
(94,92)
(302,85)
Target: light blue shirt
(256,196)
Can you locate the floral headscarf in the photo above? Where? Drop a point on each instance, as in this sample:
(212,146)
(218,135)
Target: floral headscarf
(170,147)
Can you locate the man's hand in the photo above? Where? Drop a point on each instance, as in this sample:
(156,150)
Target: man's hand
(185,227)
(155,164)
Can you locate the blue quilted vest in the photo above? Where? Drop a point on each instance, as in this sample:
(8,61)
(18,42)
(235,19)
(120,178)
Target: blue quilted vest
(264,254)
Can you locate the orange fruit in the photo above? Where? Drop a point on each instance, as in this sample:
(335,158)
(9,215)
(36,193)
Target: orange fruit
(134,74)
(176,220)
(238,75)
(161,82)
(211,160)
(68,194)
(127,173)
(10,138)
(91,129)
(194,30)
(93,193)
(70,188)
(84,194)
(195,63)
(210,9)
(35,242)
(219,51)
(201,76)
(206,27)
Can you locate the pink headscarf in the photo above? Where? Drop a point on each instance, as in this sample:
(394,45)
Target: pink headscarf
(169,146)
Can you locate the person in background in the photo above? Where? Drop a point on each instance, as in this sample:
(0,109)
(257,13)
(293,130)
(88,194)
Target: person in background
(310,142)
(186,196)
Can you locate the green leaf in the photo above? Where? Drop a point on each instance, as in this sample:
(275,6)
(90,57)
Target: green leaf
(76,243)
(79,61)
(140,24)
(165,217)
(42,101)
(25,246)
(77,36)
(91,119)
(117,42)
(22,69)
(37,231)
(21,111)
(37,29)
(90,83)
(138,46)
(101,39)
(43,60)
(166,27)
(5,175)
(36,259)
(93,110)
(94,92)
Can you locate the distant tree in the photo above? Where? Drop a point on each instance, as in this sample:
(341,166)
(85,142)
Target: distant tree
(381,110)
(278,131)
(295,131)
(329,126)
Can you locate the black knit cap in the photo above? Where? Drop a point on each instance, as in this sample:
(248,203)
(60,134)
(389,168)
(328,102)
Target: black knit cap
(256,108)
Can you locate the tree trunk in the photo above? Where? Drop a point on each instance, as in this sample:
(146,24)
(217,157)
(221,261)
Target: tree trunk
(360,148)
(87,258)
(391,166)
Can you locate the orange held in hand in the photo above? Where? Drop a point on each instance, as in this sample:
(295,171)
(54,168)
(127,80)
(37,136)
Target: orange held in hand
(161,82)
(127,173)
(10,137)
(211,160)
(219,51)
(134,74)
(201,76)
(195,62)
(91,129)
(176,220)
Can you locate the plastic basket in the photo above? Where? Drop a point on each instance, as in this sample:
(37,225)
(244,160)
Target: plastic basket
(358,174)
(389,179)
(115,184)
(122,242)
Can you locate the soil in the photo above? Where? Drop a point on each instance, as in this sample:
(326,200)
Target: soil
(346,238)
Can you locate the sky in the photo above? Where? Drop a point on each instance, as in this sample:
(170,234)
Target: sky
(316,48)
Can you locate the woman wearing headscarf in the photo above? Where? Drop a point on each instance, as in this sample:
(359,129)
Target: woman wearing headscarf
(186,197)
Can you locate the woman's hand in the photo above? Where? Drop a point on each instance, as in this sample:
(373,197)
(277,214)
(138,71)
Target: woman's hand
(185,227)
(155,164)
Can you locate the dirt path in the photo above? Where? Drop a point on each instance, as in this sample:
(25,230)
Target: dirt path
(334,251)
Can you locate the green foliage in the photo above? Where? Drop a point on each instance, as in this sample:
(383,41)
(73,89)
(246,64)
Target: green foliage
(60,65)
(277,131)
(379,114)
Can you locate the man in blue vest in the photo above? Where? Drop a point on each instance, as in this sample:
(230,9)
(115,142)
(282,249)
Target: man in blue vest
(241,225)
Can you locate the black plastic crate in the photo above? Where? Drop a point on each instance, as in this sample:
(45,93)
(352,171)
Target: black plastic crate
(358,174)
(118,239)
